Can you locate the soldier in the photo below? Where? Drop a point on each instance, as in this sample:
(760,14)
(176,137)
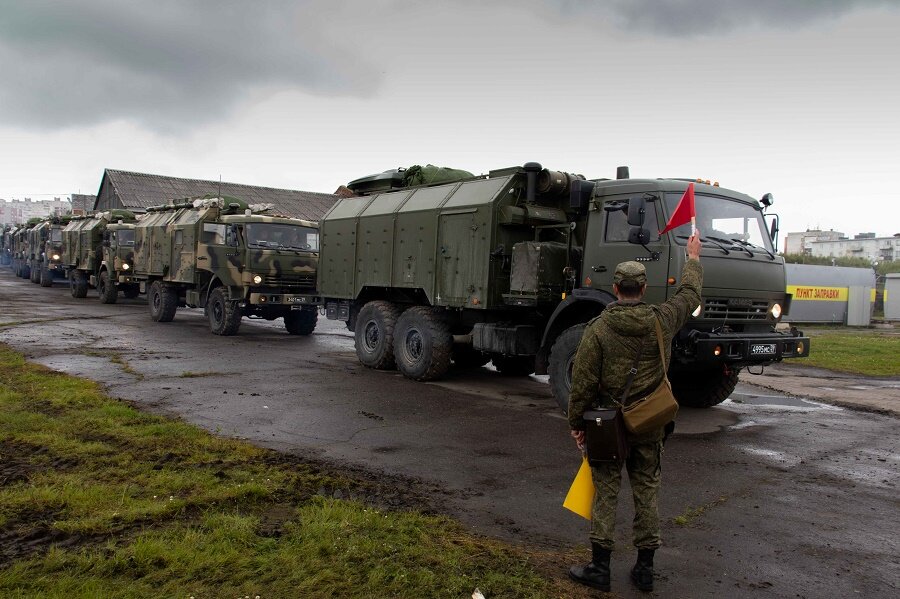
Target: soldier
(605,357)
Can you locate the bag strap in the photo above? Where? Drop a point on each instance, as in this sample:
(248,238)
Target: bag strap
(659,339)
(632,372)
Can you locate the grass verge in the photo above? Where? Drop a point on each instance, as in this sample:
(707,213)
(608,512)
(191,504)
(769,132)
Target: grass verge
(870,354)
(99,499)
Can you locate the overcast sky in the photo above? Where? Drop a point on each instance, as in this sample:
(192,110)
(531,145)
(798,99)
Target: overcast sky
(794,97)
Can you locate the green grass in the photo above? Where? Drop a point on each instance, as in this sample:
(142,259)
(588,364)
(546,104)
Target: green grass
(136,505)
(855,352)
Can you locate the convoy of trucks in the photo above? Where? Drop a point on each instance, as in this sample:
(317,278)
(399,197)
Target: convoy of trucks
(446,268)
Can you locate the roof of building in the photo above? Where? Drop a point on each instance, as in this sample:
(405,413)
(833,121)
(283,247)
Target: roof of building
(138,191)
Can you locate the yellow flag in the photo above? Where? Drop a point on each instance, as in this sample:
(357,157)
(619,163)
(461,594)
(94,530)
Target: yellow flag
(581,494)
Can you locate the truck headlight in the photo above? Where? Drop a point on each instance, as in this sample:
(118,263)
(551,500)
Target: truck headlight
(55,257)
(257,279)
(126,266)
(776,311)
(696,312)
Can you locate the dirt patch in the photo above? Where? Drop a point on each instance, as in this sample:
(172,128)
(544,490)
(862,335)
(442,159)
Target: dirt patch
(19,460)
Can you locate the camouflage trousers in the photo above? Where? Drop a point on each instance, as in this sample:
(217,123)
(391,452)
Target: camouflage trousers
(643,466)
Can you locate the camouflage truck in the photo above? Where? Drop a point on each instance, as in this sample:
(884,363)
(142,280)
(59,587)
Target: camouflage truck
(6,245)
(38,236)
(21,250)
(510,266)
(47,262)
(95,254)
(227,257)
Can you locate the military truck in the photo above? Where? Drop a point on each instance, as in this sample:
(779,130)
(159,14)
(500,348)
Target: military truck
(510,266)
(229,258)
(37,240)
(21,250)
(46,265)
(95,254)
(6,245)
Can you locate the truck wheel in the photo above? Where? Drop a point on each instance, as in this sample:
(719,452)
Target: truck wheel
(163,302)
(705,388)
(35,275)
(464,356)
(131,291)
(224,316)
(374,334)
(514,365)
(46,278)
(107,291)
(562,357)
(422,344)
(301,322)
(78,284)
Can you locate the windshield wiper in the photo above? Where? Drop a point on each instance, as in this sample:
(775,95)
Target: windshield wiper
(731,244)
(712,239)
(763,248)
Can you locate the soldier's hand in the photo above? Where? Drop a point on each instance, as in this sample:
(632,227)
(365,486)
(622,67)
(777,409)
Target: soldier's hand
(694,246)
(579,439)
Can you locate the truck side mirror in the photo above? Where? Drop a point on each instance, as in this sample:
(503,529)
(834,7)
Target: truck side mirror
(636,208)
(773,230)
(639,235)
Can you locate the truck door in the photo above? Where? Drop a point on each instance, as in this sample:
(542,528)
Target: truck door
(608,245)
(461,259)
(219,252)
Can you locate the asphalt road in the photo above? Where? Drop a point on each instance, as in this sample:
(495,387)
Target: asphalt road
(782,497)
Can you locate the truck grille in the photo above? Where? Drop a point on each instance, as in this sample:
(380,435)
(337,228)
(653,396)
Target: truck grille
(290,280)
(722,308)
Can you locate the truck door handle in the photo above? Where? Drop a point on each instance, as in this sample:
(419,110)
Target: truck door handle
(201,258)
(598,268)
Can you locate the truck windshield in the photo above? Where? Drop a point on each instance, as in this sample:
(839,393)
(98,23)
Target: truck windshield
(272,235)
(125,237)
(56,235)
(722,220)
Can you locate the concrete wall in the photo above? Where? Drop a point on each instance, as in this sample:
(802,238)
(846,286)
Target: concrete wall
(892,296)
(822,293)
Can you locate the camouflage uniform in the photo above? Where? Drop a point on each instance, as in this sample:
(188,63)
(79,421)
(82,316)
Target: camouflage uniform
(604,359)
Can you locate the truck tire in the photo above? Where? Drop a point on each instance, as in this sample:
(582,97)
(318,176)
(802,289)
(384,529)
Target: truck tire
(106,290)
(514,365)
(46,277)
(374,334)
(705,388)
(423,344)
(131,291)
(163,302)
(34,275)
(301,322)
(465,356)
(24,271)
(562,356)
(78,284)
(224,315)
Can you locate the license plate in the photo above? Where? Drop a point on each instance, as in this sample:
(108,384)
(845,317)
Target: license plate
(759,349)
(293,299)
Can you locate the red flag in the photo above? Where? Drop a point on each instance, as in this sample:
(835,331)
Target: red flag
(684,211)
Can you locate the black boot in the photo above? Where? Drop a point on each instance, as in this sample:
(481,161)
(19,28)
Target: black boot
(596,573)
(642,573)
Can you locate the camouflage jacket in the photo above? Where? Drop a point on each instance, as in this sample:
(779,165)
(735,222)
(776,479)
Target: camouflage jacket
(610,343)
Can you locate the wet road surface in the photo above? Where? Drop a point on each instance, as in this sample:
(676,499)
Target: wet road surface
(764,496)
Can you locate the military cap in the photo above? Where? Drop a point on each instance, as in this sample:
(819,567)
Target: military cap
(630,271)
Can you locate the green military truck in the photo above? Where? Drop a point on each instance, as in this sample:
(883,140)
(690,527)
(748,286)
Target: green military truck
(6,245)
(230,259)
(38,235)
(21,246)
(510,267)
(47,263)
(93,255)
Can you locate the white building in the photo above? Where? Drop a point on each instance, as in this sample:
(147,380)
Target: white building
(801,243)
(19,211)
(833,244)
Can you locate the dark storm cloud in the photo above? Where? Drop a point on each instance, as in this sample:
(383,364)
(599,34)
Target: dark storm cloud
(164,64)
(711,17)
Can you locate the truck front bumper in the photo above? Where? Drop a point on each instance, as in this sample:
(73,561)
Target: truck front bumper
(743,349)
